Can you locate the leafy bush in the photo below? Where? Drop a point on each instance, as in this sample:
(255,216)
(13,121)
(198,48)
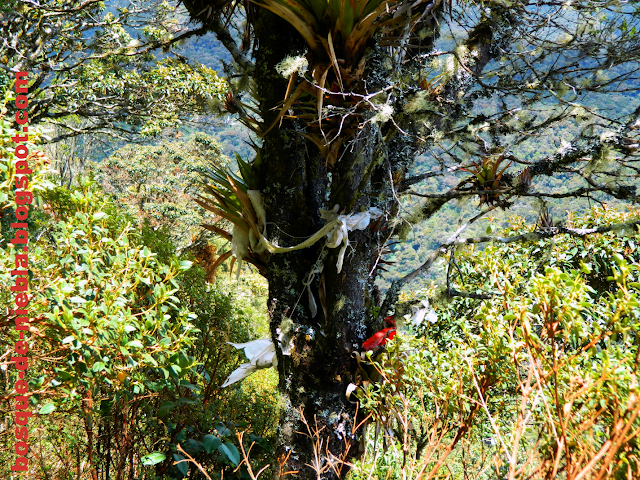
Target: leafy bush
(127,347)
(538,382)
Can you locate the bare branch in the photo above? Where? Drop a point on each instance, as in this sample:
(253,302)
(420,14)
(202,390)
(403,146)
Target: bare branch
(394,290)
(548,232)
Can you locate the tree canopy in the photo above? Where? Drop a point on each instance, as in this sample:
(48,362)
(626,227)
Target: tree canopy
(96,68)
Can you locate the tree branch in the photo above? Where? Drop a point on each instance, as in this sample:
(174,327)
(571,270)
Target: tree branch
(407,182)
(216,26)
(396,286)
(394,290)
(212,22)
(548,232)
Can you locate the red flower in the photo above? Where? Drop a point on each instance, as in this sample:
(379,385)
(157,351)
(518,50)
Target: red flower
(391,320)
(379,338)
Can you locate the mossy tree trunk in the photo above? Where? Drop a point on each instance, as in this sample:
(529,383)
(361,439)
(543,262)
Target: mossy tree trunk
(295,186)
(296,183)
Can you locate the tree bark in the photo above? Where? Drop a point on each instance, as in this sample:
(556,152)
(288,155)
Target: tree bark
(316,435)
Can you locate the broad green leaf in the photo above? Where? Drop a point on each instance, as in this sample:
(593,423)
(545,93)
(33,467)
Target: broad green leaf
(153,458)
(47,409)
(231,452)
(211,443)
(183,466)
(194,445)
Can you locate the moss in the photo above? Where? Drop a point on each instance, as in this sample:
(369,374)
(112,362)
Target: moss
(339,305)
(286,325)
(420,102)
(290,65)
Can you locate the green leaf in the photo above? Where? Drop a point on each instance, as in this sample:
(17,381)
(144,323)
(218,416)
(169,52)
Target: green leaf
(189,385)
(231,452)
(153,458)
(211,443)
(195,446)
(47,409)
(135,343)
(183,467)
(149,359)
(183,361)
(98,367)
(619,259)
(223,431)
(185,264)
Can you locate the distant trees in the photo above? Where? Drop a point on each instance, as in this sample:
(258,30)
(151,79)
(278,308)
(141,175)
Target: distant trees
(157,183)
(95,68)
(343,96)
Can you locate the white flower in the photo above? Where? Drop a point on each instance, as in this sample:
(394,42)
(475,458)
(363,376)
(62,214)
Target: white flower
(423,311)
(261,354)
(339,235)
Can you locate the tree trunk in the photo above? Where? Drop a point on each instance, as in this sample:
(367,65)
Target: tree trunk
(316,433)
(317,436)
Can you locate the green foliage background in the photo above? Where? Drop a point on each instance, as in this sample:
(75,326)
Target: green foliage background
(464,390)
(128,341)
